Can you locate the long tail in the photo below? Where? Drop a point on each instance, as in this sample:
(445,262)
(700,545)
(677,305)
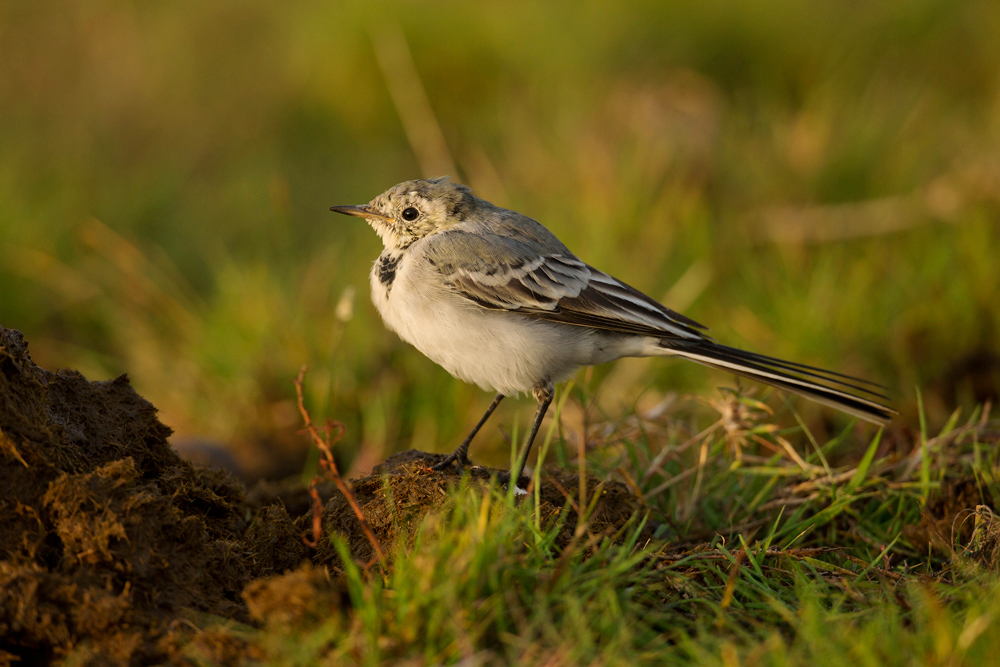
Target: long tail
(825,387)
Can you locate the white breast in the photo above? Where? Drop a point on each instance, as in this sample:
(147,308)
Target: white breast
(496,350)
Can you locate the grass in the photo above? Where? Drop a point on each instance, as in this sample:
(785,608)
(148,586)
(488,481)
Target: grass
(813,181)
(782,562)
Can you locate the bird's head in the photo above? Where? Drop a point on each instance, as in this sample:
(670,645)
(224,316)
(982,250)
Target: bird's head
(411,210)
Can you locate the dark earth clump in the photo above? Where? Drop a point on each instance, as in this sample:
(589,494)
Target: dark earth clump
(961,514)
(402,489)
(116,551)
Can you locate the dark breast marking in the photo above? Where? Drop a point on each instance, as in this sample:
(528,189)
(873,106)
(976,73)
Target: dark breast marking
(386,269)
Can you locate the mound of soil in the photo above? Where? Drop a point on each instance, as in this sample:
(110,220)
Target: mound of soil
(119,552)
(960,523)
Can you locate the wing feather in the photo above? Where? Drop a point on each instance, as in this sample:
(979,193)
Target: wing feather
(501,272)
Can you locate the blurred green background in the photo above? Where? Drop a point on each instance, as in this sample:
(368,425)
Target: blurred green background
(817,181)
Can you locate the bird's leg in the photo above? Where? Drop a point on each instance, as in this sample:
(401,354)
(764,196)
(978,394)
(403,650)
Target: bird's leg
(543,394)
(461,453)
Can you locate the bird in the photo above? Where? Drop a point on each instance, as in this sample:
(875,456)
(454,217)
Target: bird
(497,300)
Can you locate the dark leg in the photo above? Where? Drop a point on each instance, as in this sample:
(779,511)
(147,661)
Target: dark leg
(461,454)
(544,396)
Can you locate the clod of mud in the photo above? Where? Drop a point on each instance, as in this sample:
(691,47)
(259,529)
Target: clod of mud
(983,548)
(958,521)
(296,597)
(106,535)
(116,551)
(402,489)
(947,520)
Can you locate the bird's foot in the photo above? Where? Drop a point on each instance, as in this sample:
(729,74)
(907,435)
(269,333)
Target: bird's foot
(461,461)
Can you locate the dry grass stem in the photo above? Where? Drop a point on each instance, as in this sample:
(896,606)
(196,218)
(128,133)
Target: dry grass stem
(410,99)
(330,472)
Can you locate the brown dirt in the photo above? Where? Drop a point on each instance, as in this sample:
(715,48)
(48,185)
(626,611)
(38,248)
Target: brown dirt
(958,522)
(116,551)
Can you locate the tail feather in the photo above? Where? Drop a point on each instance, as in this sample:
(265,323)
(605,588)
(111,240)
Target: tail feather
(822,373)
(789,376)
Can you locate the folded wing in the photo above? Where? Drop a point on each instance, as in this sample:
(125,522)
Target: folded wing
(502,273)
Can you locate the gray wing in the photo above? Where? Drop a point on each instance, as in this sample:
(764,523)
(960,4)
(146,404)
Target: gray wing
(546,281)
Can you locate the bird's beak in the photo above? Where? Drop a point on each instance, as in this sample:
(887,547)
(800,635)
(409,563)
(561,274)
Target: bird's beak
(363,211)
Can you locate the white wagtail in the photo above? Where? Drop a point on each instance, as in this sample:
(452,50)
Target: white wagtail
(496,299)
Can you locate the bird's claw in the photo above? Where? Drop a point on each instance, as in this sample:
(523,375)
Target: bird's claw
(461,462)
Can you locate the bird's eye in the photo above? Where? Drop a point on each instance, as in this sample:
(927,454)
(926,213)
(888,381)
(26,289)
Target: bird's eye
(410,214)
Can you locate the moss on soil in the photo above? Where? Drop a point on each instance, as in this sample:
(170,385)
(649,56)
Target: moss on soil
(118,551)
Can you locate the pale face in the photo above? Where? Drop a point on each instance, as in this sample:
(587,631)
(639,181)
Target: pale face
(413,209)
